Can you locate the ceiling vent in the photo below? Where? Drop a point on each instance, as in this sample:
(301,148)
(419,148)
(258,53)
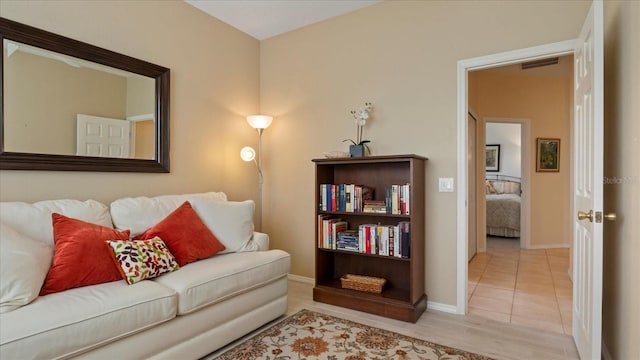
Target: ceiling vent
(539,63)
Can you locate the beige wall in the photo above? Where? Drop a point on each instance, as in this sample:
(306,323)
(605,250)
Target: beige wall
(214,84)
(621,302)
(42,119)
(141,95)
(546,102)
(402,56)
(145,139)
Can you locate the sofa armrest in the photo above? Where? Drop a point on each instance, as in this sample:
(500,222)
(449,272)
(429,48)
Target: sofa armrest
(262,240)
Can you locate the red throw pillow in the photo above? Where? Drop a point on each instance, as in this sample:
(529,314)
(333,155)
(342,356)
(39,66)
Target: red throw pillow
(186,236)
(80,257)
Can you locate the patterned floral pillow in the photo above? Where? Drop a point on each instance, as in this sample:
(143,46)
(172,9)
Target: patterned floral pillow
(142,259)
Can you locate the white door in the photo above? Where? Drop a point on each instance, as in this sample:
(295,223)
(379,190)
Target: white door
(588,173)
(104,137)
(471,185)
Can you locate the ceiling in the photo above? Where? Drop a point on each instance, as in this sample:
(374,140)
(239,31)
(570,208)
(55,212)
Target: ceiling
(263,19)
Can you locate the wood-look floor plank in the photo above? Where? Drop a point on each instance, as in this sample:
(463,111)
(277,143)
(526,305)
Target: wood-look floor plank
(475,334)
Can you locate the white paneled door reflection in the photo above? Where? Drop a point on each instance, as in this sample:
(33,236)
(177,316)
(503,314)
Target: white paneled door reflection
(104,137)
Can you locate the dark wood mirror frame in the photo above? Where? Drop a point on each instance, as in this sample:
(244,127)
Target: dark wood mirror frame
(25,34)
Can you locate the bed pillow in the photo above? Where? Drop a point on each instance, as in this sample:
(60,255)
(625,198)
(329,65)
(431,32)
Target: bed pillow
(498,186)
(511,187)
(80,257)
(141,259)
(186,235)
(489,189)
(230,221)
(24,263)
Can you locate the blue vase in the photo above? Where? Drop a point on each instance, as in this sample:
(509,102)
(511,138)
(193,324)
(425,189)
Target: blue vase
(356,150)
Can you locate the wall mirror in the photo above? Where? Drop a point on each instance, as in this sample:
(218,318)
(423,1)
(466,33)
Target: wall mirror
(68,105)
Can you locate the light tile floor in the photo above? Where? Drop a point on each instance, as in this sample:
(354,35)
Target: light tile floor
(524,287)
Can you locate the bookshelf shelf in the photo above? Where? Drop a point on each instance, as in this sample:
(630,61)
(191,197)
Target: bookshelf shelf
(403,297)
(367,214)
(392,258)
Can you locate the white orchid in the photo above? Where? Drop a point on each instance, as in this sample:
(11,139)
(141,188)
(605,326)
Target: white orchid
(361,116)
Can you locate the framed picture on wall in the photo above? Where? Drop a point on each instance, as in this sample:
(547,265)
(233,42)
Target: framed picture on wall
(548,155)
(492,159)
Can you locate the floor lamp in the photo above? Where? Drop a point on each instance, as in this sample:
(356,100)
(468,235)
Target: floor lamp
(258,122)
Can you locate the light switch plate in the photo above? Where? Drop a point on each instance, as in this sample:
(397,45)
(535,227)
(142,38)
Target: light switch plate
(445,184)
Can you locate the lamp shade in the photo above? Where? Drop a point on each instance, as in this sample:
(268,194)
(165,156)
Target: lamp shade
(259,121)
(247,153)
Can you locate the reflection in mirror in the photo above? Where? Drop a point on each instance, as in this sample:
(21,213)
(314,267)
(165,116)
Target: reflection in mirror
(120,105)
(68,105)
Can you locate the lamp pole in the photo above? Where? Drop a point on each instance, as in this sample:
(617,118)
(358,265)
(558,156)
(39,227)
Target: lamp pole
(259,122)
(260,178)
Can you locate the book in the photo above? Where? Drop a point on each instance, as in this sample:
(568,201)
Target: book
(334,205)
(368,238)
(336,227)
(383,240)
(323,197)
(327,228)
(405,245)
(394,199)
(407,199)
(348,240)
(405,239)
(392,240)
(321,219)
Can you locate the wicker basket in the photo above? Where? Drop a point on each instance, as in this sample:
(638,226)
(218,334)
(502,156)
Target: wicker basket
(363,283)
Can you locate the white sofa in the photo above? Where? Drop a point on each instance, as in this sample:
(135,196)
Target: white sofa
(184,314)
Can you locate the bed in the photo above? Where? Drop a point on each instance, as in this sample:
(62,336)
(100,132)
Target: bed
(503,205)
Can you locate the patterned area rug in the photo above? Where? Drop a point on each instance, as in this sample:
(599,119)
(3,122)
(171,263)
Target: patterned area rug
(311,335)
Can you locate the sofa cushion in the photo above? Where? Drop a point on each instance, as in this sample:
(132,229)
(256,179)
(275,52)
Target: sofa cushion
(80,256)
(142,259)
(34,220)
(187,237)
(230,221)
(24,263)
(212,280)
(73,321)
(140,213)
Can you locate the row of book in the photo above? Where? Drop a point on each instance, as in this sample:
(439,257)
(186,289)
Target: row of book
(344,197)
(359,198)
(385,240)
(397,199)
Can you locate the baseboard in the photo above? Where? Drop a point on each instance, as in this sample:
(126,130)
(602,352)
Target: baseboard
(302,279)
(451,309)
(605,352)
(556,246)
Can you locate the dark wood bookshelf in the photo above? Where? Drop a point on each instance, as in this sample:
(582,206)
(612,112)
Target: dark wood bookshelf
(403,296)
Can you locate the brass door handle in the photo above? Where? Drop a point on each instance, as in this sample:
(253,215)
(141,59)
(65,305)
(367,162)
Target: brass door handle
(583,215)
(598,216)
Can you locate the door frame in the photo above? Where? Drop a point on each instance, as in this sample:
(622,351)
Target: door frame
(525,174)
(472,220)
(464,66)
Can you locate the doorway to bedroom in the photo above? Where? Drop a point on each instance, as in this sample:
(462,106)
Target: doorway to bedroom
(520,274)
(504,213)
